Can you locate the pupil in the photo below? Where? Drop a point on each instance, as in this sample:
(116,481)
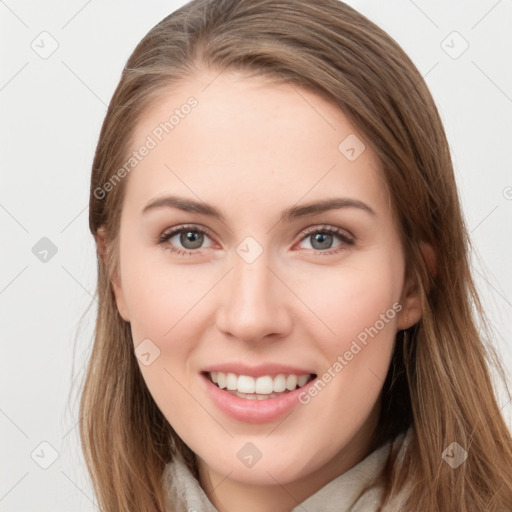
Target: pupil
(322,238)
(193,238)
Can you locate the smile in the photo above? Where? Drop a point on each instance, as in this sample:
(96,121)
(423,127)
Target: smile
(259,388)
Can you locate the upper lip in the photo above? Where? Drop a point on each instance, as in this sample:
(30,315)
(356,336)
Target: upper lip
(271,369)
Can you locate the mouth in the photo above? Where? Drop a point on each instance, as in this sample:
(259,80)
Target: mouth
(265,387)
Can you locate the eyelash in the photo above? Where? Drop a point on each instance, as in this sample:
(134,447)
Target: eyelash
(330,230)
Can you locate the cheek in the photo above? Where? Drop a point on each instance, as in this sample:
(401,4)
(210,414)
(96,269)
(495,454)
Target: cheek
(352,298)
(160,296)
(359,311)
(164,302)
(167,307)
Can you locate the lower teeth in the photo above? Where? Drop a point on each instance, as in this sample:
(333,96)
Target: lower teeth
(255,396)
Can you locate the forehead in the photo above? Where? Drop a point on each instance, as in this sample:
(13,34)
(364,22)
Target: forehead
(262,142)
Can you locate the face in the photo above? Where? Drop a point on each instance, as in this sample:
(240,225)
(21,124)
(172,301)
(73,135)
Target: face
(229,272)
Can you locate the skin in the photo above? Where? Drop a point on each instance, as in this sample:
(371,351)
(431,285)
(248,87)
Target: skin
(252,149)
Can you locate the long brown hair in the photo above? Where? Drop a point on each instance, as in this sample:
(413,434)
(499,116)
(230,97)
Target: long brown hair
(439,381)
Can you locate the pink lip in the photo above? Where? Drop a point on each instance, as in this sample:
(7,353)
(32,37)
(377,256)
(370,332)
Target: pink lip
(258,370)
(254,411)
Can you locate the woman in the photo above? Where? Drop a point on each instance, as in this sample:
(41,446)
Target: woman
(287,318)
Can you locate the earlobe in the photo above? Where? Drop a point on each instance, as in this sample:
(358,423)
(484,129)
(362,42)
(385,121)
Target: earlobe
(120,300)
(101,243)
(412,308)
(102,248)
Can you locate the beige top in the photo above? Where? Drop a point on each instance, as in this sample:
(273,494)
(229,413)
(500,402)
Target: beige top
(339,495)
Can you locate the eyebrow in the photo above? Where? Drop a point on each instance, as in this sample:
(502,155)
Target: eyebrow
(294,212)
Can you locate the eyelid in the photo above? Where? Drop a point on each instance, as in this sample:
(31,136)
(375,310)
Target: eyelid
(329,229)
(182,227)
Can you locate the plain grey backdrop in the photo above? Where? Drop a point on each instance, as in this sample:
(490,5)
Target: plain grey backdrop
(60,62)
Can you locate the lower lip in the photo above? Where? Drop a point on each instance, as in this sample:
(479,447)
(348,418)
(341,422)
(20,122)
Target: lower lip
(253,411)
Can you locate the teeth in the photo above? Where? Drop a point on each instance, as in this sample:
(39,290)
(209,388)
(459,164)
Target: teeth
(231,381)
(255,396)
(279,383)
(302,380)
(221,380)
(265,385)
(291,382)
(246,384)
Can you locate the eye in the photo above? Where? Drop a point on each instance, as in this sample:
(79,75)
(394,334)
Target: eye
(187,240)
(321,239)
(190,238)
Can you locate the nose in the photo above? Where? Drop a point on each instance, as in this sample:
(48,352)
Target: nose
(255,305)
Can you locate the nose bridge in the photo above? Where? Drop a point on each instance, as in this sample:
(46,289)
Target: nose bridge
(254,306)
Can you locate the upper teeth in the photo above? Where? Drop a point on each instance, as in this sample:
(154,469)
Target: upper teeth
(262,385)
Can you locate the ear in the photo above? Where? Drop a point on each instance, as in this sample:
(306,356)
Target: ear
(102,245)
(411,300)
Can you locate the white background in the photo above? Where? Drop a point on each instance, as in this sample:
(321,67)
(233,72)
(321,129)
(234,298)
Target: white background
(51,114)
